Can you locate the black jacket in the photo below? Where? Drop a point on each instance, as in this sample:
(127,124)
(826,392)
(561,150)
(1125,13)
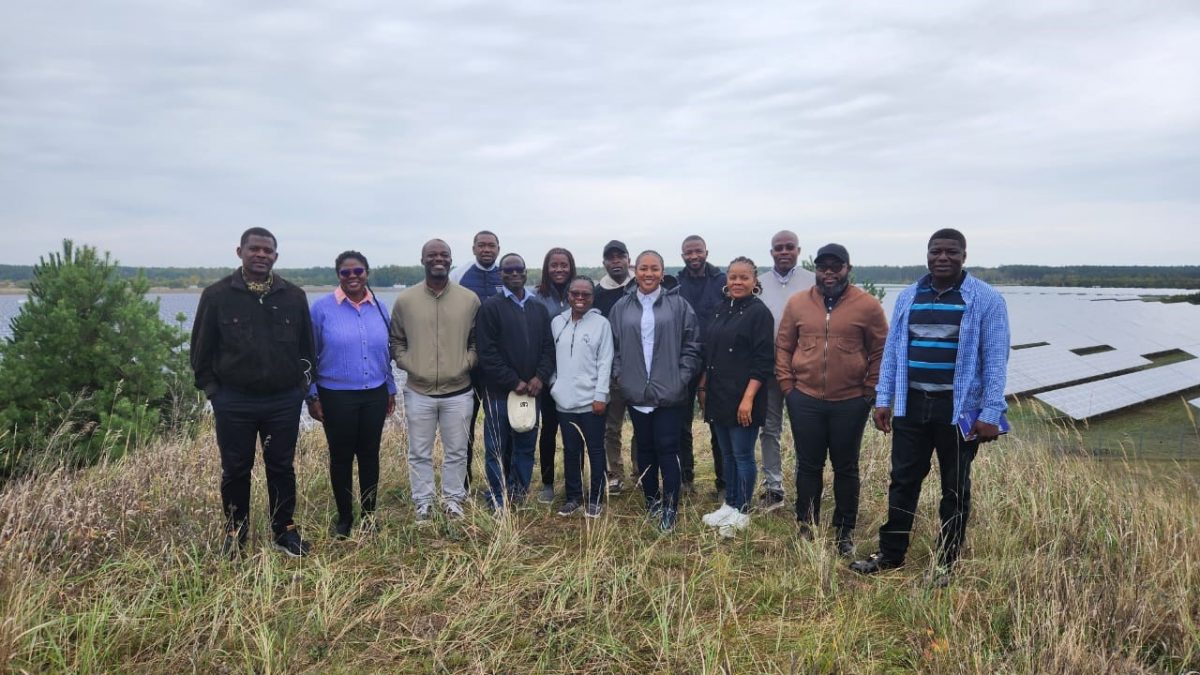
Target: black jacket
(514,344)
(703,294)
(740,347)
(259,347)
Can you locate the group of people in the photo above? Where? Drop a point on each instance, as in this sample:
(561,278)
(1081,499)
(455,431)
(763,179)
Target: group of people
(573,358)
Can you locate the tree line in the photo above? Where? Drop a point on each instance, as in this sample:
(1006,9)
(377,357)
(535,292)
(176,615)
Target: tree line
(1124,276)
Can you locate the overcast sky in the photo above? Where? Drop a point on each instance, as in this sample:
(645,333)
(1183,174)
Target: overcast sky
(1048,132)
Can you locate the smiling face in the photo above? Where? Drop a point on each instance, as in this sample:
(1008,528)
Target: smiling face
(558,269)
(435,258)
(258,256)
(740,279)
(695,254)
(648,273)
(580,296)
(785,248)
(352,277)
(512,274)
(485,249)
(945,258)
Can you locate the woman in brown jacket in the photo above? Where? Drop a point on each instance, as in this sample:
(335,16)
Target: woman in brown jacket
(827,355)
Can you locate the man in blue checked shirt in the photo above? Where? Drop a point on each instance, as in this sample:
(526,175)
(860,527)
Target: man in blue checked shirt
(946,355)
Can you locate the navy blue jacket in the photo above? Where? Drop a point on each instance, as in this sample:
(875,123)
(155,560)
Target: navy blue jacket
(703,294)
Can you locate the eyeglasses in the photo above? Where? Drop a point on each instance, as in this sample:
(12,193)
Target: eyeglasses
(834,266)
(780,248)
(519,269)
(351,272)
(580,294)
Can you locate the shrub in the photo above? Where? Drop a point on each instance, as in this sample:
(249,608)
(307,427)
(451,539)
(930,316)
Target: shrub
(89,360)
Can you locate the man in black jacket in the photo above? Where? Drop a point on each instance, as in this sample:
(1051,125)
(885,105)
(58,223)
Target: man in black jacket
(252,354)
(516,354)
(701,285)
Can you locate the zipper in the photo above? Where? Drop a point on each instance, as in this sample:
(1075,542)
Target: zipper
(825,356)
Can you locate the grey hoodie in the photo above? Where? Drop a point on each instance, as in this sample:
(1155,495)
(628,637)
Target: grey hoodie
(584,354)
(676,355)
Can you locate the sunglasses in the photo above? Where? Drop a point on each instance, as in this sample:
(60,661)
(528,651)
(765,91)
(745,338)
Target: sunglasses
(780,248)
(519,269)
(834,266)
(351,272)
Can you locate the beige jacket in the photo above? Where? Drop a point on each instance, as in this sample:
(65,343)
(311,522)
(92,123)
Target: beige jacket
(433,338)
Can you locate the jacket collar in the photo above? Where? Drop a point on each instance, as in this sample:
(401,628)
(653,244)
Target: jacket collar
(278,283)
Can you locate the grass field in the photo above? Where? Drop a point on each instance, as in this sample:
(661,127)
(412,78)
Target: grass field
(1072,566)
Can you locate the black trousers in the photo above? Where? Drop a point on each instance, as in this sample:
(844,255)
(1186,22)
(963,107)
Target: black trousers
(927,428)
(353,426)
(832,429)
(242,419)
(547,440)
(687,456)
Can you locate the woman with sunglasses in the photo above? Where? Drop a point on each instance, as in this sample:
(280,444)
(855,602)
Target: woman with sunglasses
(656,345)
(739,363)
(558,270)
(354,391)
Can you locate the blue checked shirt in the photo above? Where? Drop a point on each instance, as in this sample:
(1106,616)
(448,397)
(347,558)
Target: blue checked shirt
(982,364)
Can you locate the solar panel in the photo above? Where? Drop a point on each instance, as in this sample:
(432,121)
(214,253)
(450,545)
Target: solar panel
(1042,367)
(1195,402)
(1095,398)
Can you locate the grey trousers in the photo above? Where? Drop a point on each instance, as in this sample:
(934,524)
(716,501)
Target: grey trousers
(772,461)
(425,415)
(614,422)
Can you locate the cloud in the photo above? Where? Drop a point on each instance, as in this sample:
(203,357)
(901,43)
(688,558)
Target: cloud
(161,130)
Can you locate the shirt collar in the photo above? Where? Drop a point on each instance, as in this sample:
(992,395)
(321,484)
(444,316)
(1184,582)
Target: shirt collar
(649,298)
(340,296)
(513,296)
(495,266)
(784,278)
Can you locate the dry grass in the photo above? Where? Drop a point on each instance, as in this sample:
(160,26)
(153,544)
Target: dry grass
(1073,566)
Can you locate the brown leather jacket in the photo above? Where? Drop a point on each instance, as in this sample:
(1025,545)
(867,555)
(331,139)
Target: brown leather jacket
(833,356)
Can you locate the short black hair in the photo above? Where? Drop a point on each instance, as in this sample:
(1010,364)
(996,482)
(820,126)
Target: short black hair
(350,255)
(584,278)
(695,237)
(475,239)
(258,232)
(949,233)
(656,254)
(506,256)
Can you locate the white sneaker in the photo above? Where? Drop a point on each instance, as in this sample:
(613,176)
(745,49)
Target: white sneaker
(717,518)
(734,524)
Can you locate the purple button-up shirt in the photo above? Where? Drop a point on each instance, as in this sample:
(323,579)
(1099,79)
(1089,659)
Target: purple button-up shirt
(351,344)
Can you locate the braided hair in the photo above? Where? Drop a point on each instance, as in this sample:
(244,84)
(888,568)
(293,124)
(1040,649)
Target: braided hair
(741,259)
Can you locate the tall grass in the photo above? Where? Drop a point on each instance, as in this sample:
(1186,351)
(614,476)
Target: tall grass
(1072,566)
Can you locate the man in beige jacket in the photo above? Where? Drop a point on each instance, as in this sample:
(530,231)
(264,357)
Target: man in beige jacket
(433,341)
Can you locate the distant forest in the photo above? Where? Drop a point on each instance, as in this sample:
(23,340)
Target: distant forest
(1186,277)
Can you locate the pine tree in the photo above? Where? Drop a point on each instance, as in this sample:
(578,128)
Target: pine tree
(88,362)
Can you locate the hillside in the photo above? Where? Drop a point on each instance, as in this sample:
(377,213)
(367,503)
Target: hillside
(1073,566)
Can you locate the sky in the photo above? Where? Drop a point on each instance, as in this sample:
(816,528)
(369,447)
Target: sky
(1049,132)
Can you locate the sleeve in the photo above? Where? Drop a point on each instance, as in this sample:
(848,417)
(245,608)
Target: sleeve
(993,353)
(397,337)
(604,363)
(762,346)
(487,330)
(546,364)
(614,325)
(203,352)
(318,326)
(689,351)
(875,334)
(472,346)
(389,376)
(785,346)
(885,388)
(308,352)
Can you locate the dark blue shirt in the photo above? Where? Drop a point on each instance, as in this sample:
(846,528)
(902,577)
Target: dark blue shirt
(933,326)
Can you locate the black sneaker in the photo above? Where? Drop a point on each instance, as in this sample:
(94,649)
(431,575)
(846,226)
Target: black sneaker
(667,524)
(234,546)
(568,508)
(615,486)
(769,501)
(874,563)
(290,543)
(806,531)
(845,546)
(341,529)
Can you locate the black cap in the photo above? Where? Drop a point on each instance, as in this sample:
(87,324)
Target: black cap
(619,245)
(836,250)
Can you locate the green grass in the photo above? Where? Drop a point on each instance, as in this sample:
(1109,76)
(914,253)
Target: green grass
(1072,565)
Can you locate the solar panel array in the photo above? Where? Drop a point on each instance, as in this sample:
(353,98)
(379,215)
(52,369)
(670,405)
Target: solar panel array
(1096,398)
(1195,402)
(1047,366)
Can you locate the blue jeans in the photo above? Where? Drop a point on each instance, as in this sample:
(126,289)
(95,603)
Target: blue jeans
(511,480)
(657,435)
(737,444)
(578,430)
